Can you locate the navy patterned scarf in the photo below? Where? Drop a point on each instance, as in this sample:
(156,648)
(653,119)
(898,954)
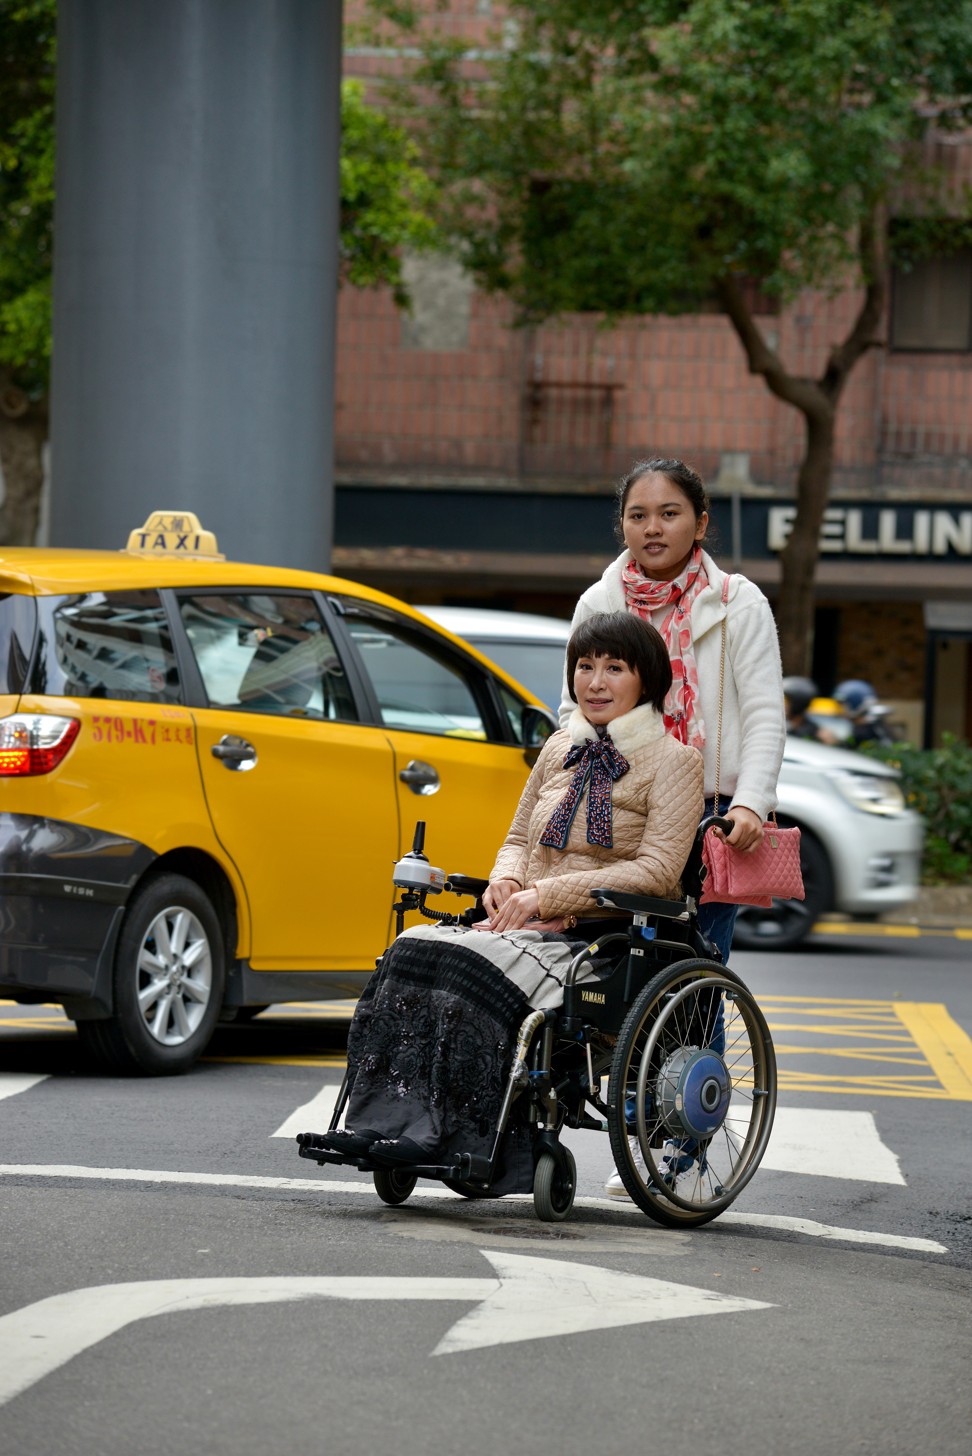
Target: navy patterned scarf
(599,760)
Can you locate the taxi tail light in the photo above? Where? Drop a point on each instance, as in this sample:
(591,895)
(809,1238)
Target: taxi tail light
(34,743)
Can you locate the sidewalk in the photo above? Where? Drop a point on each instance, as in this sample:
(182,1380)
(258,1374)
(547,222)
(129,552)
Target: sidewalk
(937,905)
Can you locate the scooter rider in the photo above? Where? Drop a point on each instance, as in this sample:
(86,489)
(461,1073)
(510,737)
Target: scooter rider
(798,694)
(868,716)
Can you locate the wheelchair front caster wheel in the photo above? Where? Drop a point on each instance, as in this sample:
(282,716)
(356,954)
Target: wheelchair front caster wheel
(392,1186)
(554,1186)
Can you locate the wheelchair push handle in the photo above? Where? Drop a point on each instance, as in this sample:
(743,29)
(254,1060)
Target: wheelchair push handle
(714,821)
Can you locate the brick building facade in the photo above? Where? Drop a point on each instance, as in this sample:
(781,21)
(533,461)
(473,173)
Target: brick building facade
(476,461)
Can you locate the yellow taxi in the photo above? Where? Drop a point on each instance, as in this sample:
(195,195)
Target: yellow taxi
(207,772)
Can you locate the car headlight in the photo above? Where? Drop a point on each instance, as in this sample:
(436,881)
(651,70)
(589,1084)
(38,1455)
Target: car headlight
(876,794)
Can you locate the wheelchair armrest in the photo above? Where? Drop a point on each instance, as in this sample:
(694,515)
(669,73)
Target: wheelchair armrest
(640,904)
(466,885)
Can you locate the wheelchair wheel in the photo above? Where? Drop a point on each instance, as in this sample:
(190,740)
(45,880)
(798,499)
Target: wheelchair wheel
(393,1186)
(554,1186)
(692,1093)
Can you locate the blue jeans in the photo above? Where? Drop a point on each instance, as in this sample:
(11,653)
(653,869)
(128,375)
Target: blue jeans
(717,921)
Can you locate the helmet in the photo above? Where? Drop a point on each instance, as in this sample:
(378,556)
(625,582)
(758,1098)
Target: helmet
(799,693)
(855,696)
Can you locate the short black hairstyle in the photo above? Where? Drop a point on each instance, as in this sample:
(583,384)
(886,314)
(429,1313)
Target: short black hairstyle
(630,639)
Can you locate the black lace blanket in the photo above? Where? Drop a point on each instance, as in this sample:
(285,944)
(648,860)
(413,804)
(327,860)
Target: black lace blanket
(431,1044)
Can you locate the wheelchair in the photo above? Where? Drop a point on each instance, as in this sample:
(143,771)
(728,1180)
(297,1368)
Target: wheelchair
(688,1057)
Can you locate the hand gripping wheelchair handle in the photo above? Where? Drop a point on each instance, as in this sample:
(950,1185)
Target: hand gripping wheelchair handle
(713,821)
(691,878)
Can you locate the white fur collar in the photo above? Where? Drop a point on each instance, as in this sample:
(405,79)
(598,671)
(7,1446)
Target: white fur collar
(631,731)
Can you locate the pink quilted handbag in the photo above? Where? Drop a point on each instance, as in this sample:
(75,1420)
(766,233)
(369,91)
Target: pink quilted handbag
(753,877)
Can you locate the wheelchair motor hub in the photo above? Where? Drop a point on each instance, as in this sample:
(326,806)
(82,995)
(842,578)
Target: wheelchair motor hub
(693,1091)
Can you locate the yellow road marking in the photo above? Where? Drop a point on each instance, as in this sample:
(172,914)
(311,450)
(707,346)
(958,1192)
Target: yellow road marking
(870,1087)
(875,1033)
(844,1003)
(851,1054)
(853,927)
(886,1034)
(270,1061)
(36,1023)
(944,1044)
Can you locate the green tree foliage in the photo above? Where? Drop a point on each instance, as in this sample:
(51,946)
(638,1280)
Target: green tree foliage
(387,200)
(27,39)
(938,783)
(27,29)
(639,156)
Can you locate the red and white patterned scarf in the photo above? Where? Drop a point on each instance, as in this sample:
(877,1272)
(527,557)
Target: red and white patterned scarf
(683,714)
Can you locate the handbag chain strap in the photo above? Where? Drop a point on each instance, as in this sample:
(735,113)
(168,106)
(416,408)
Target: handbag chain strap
(722,690)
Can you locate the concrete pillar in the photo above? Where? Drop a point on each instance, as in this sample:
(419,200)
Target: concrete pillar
(195,273)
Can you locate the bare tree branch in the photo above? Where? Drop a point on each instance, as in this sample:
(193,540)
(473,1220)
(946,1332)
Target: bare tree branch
(865,333)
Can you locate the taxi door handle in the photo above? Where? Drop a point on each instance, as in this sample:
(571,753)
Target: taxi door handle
(420,777)
(235,753)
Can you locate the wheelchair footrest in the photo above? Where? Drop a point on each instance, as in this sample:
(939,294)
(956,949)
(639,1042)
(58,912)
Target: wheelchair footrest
(310,1140)
(471,1167)
(325,1155)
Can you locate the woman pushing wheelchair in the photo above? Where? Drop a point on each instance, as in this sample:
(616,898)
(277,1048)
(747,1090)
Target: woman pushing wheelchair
(612,800)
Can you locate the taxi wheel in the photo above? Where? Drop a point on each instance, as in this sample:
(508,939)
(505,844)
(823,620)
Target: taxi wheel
(169,979)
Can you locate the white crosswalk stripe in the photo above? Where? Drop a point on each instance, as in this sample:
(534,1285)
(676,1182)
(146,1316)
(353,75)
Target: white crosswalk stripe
(312,1116)
(821,1143)
(13,1082)
(831,1144)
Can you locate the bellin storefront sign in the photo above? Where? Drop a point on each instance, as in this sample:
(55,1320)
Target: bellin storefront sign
(534,519)
(881,530)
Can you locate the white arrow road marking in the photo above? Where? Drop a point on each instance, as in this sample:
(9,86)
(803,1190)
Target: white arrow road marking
(532,1299)
(345,1186)
(13,1082)
(830,1145)
(314,1116)
(537,1298)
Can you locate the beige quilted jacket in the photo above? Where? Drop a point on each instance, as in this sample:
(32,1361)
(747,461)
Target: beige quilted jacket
(656,808)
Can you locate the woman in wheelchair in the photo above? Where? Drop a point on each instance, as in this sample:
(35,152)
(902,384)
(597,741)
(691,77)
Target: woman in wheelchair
(612,801)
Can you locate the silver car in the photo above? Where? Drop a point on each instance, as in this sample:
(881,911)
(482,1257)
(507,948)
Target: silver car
(861,845)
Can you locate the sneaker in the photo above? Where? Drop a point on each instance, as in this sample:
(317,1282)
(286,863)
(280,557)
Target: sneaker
(614,1188)
(680,1155)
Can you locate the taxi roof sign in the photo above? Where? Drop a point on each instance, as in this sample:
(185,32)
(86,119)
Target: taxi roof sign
(174,533)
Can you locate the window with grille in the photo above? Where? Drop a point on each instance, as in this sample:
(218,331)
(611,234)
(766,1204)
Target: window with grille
(931,304)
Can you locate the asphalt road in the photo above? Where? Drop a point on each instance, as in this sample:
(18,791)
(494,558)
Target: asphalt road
(175,1277)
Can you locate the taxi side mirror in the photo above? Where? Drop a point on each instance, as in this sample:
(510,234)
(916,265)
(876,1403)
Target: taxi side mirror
(536,726)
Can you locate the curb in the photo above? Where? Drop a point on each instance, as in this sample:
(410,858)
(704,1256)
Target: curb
(936,907)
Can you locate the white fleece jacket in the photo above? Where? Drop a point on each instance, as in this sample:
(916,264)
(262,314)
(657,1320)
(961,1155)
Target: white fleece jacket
(753,722)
